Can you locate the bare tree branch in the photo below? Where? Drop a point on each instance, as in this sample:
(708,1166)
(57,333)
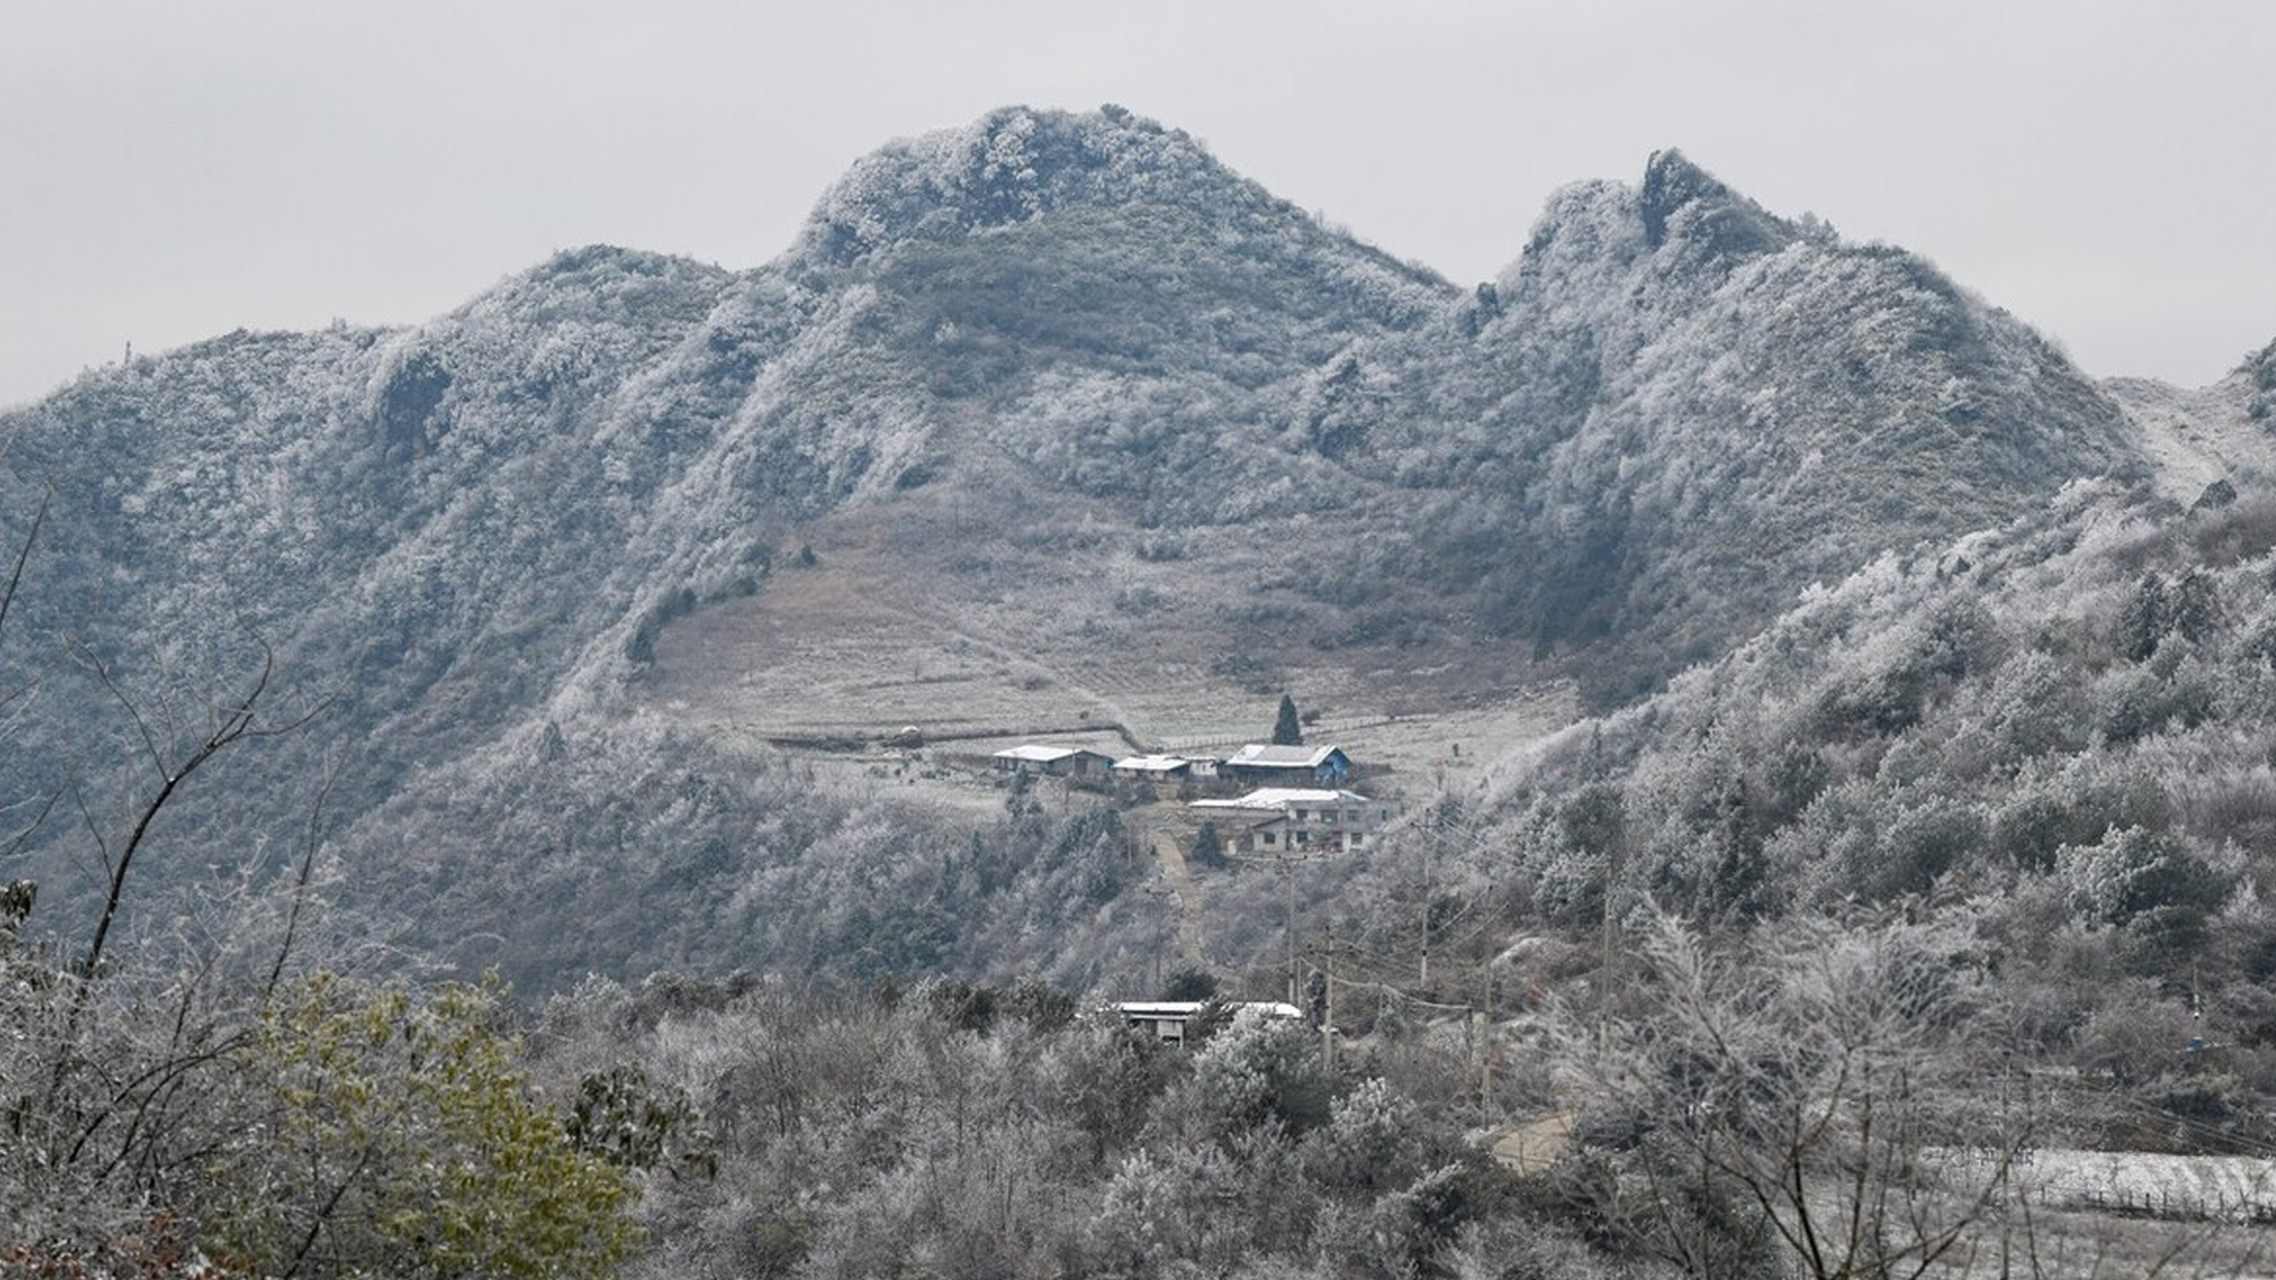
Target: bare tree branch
(94,828)
(311,839)
(24,555)
(234,722)
(102,672)
(1794,1086)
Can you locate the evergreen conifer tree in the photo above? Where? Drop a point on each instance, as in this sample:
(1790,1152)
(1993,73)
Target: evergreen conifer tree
(1287,728)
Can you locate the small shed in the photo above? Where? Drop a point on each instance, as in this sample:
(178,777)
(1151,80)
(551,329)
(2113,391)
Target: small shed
(1053,762)
(1166,1020)
(1165,773)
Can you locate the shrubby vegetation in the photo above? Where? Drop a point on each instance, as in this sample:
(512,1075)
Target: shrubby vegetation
(2049,741)
(971,1132)
(675,854)
(195,1124)
(1772,1107)
(210,1097)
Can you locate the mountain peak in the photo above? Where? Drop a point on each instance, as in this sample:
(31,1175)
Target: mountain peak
(1682,201)
(2259,371)
(1012,164)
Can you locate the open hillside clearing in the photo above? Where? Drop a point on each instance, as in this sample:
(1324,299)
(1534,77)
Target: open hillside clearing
(846,652)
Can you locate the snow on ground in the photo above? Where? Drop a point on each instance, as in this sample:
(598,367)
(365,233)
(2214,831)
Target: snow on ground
(2196,436)
(2135,1183)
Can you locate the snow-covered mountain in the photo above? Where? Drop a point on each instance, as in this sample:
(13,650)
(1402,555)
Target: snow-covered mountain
(1050,374)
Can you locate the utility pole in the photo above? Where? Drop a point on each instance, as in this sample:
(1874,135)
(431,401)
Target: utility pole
(1422,977)
(1288,874)
(1613,859)
(1486,1053)
(1161,936)
(1328,1016)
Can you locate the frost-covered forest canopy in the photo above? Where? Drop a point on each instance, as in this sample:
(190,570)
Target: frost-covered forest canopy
(455,773)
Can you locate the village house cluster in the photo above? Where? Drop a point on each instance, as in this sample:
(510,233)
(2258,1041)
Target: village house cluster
(1295,801)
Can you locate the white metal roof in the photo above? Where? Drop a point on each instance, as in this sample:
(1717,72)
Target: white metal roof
(1284,798)
(1152,764)
(1159,1008)
(1268,756)
(1038,754)
(1188,1008)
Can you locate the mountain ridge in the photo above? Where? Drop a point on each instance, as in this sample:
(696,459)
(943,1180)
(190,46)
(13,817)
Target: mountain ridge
(1080,392)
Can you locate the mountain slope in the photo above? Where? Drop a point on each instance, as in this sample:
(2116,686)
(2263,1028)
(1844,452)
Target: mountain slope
(1059,392)
(1700,408)
(2222,433)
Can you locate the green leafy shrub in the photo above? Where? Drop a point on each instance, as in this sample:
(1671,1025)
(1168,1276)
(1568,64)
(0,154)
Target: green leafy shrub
(405,1140)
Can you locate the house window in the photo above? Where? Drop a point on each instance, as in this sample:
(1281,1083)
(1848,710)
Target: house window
(1268,839)
(1303,837)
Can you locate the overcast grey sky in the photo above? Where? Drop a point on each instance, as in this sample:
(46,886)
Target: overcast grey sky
(175,170)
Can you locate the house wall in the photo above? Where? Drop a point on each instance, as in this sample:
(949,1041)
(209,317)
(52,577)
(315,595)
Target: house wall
(1169,1029)
(1166,786)
(1268,837)
(1313,829)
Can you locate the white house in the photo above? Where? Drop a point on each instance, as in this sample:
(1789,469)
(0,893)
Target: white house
(1056,762)
(1297,820)
(1165,773)
(1167,1019)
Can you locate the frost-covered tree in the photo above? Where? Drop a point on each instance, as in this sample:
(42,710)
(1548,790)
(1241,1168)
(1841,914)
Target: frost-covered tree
(2143,621)
(1780,1105)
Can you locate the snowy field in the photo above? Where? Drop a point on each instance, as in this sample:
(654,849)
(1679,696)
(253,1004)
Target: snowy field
(2207,1188)
(2235,1189)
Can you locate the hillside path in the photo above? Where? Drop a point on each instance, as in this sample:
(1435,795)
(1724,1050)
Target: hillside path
(1533,1145)
(1172,858)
